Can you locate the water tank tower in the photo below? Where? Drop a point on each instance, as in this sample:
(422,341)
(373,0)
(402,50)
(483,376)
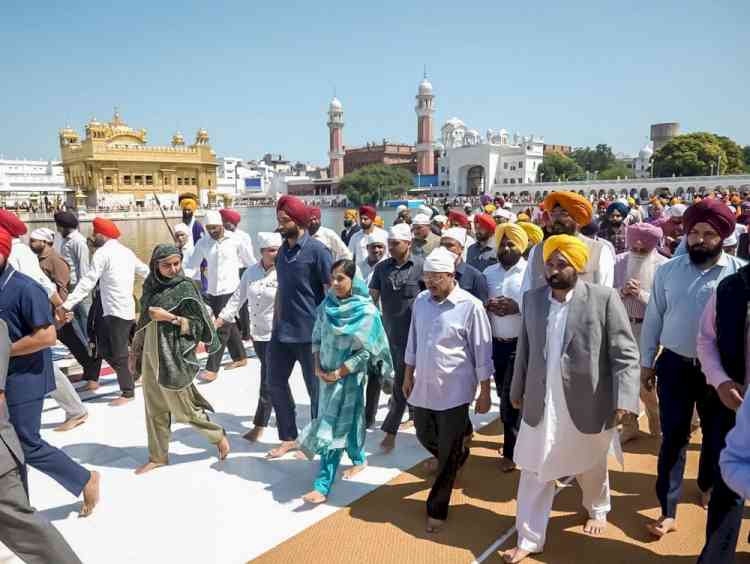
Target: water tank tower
(663,133)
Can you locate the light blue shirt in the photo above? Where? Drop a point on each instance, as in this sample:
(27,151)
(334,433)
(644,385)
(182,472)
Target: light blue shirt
(735,458)
(678,297)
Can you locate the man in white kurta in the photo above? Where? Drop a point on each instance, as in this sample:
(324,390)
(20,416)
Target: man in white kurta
(576,376)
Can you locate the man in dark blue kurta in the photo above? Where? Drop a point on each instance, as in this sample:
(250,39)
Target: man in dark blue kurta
(303,270)
(24,307)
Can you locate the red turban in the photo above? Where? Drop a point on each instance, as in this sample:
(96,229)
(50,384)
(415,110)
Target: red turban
(714,212)
(6,240)
(485,221)
(230,216)
(12,224)
(106,227)
(314,213)
(646,235)
(369,211)
(461,218)
(294,208)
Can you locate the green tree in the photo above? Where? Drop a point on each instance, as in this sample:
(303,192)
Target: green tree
(599,158)
(746,157)
(698,154)
(373,183)
(557,166)
(618,170)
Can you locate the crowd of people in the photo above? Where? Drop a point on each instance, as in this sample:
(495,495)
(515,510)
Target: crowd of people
(583,316)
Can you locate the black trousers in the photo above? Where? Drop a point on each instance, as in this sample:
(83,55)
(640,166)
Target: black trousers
(229,335)
(397,402)
(372,397)
(112,336)
(243,316)
(264,407)
(681,386)
(442,434)
(68,337)
(503,357)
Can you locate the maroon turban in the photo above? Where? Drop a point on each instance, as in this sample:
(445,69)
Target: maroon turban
(486,222)
(12,224)
(106,227)
(314,213)
(294,208)
(230,216)
(6,241)
(369,211)
(645,235)
(714,212)
(461,218)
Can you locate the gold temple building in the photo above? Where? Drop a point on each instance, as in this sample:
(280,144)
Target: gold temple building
(114,165)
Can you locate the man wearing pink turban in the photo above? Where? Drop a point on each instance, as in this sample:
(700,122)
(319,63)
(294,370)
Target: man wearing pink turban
(634,276)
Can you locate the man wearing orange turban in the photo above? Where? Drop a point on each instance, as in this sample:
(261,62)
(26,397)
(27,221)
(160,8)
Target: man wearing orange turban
(575,378)
(566,213)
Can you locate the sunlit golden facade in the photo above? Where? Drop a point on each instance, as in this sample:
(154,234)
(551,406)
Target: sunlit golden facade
(114,163)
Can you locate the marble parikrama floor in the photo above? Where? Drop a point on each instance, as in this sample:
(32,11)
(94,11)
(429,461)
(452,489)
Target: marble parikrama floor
(196,510)
(387,525)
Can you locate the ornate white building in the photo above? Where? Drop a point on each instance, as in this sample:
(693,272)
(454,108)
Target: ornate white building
(473,164)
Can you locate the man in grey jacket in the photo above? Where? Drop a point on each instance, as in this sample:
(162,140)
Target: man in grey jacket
(22,530)
(576,376)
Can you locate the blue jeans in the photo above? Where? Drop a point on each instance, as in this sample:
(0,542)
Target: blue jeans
(329,463)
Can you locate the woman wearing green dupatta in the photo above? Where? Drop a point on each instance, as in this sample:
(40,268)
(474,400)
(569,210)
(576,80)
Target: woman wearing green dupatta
(348,339)
(173,321)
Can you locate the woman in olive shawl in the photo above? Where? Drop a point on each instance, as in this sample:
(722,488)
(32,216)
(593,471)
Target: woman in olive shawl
(348,342)
(173,321)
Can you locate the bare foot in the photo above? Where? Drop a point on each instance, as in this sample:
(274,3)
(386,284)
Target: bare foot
(431,465)
(209,376)
(92,386)
(72,423)
(705,499)
(595,527)
(406,425)
(388,443)
(661,527)
(314,497)
(353,471)
(434,525)
(507,465)
(223,447)
(282,449)
(122,400)
(515,555)
(254,434)
(90,495)
(238,364)
(148,467)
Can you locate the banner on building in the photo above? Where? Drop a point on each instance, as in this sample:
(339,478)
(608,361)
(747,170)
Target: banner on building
(253,184)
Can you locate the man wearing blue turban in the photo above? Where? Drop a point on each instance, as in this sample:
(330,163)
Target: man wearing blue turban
(613,228)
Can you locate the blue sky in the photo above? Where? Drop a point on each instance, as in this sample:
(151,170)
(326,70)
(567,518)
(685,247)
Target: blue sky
(259,77)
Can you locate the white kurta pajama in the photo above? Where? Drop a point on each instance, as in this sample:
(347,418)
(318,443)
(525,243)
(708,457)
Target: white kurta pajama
(556,448)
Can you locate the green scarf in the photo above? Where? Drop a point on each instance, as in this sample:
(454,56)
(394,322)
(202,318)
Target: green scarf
(178,363)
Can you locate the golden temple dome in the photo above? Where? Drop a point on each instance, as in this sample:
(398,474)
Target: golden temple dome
(177,139)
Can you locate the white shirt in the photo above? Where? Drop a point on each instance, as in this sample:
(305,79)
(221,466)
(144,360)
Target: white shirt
(74,250)
(187,252)
(506,283)
(258,287)
(23,260)
(246,241)
(358,244)
(114,266)
(224,258)
(333,243)
(365,270)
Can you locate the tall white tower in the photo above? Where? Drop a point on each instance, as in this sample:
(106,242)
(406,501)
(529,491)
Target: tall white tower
(336,138)
(424,110)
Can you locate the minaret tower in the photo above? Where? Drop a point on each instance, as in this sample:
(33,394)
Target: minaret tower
(336,138)
(424,110)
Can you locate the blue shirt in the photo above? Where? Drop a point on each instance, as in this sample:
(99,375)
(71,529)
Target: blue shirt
(24,307)
(301,272)
(481,256)
(678,297)
(735,458)
(473,281)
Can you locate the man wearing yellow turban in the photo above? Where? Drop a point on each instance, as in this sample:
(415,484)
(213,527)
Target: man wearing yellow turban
(576,376)
(189,205)
(565,213)
(533,232)
(350,226)
(504,281)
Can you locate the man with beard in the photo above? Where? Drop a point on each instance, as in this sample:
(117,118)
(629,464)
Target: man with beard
(566,213)
(350,226)
(425,241)
(303,272)
(614,227)
(680,291)
(231,220)
(394,284)
(224,254)
(327,236)
(634,277)
(114,267)
(504,307)
(358,242)
(482,254)
(467,277)
(575,378)
(189,205)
